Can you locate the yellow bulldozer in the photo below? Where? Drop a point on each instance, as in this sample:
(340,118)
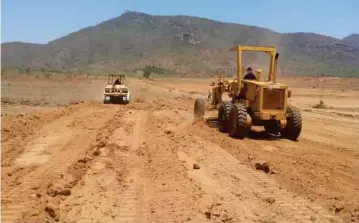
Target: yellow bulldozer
(252,102)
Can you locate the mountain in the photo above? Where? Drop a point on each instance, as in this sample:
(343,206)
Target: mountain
(352,40)
(183,44)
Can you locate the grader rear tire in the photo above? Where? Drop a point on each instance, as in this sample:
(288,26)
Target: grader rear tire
(238,124)
(199,108)
(294,124)
(223,115)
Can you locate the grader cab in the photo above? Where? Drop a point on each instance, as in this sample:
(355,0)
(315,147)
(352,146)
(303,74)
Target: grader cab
(253,102)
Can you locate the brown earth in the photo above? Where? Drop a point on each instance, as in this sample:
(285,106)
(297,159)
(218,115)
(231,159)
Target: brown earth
(67,157)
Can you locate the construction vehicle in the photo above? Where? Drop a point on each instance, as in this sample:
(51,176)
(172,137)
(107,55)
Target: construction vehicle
(116,91)
(253,102)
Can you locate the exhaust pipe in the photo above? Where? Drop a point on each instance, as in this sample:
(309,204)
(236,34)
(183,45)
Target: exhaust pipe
(275,68)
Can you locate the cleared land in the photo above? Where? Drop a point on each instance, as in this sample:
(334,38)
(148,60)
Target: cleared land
(67,157)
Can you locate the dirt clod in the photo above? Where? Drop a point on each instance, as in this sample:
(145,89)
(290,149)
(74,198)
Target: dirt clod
(101,143)
(65,192)
(82,160)
(52,192)
(338,207)
(58,189)
(270,200)
(208,215)
(264,166)
(34,213)
(196,166)
(96,152)
(52,209)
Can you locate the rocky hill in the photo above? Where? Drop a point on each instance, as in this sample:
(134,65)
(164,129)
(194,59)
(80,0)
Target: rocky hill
(352,40)
(182,44)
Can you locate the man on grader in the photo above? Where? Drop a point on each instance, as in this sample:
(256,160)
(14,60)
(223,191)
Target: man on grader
(249,75)
(252,101)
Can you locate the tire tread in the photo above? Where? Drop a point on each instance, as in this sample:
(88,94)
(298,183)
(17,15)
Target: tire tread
(294,124)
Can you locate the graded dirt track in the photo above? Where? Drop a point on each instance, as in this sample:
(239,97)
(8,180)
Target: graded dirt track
(89,162)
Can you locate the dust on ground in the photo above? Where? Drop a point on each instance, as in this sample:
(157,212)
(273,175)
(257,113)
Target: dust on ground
(67,157)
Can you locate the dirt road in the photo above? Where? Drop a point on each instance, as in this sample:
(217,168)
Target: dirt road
(148,162)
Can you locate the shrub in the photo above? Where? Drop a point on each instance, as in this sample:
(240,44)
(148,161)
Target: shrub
(146,74)
(149,70)
(321,104)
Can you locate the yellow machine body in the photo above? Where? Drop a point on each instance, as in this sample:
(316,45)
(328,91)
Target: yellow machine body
(255,102)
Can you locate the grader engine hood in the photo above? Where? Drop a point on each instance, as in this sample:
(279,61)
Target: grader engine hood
(273,97)
(269,99)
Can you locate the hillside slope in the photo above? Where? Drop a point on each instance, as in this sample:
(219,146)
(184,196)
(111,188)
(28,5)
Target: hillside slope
(352,40)
(184,44)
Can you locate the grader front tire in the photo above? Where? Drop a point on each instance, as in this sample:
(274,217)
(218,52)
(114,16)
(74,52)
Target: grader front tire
(199,108)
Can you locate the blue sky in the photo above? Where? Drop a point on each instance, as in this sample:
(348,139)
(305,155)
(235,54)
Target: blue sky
(40,21)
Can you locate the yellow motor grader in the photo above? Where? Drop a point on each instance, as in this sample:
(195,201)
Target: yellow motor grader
(253,102)
(116,91)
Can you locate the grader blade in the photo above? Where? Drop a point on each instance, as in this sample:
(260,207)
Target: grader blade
(210,119)
(211,115)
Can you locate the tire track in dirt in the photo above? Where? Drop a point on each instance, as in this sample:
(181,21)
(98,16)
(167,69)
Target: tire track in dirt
(170,196)
(25,194)
(113,180)
(130,207)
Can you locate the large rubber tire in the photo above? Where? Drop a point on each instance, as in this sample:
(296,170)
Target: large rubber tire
(238,124)
(272,127)
(294,124)
(199,108)
(223,115)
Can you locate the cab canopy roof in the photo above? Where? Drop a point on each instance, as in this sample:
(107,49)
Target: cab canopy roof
(112,77)
(116,75)
(267,49)
(271,50)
